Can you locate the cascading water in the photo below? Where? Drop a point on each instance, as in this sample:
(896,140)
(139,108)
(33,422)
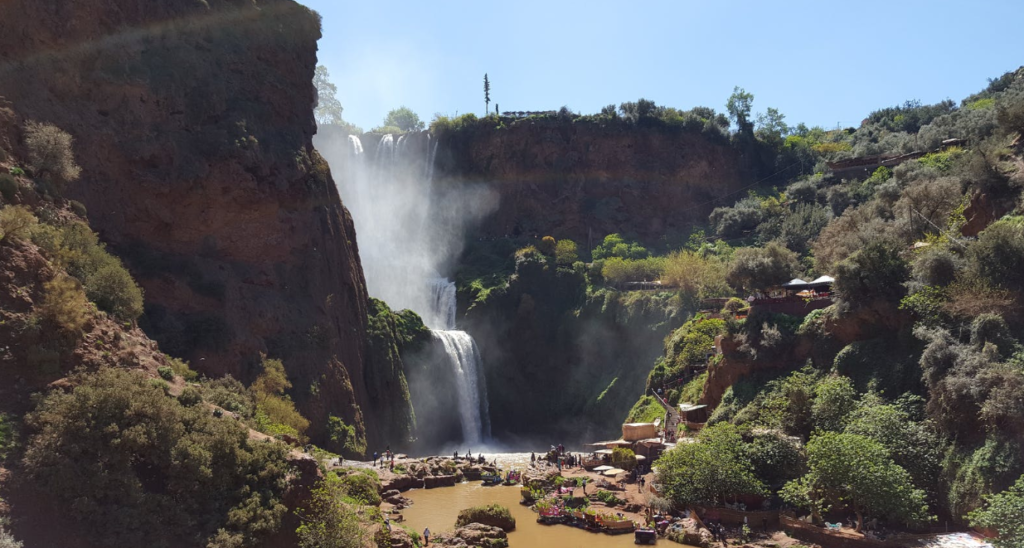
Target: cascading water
(408,231)
(470,388)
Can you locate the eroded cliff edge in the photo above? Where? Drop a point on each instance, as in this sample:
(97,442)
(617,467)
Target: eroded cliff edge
(193,121)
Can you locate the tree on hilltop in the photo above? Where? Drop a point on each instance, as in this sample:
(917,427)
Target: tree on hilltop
(487,94)
(404,119)
(739,106)
(328,108)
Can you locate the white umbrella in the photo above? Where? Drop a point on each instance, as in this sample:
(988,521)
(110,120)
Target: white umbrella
(613,472)
(603,468)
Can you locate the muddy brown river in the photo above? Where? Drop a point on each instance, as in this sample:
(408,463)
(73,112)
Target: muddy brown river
(438,508)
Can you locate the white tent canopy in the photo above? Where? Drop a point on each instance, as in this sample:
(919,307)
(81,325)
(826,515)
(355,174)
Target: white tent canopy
(604,468)
(613,472)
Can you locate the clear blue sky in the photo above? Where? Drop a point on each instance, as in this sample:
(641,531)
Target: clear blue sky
(822,62)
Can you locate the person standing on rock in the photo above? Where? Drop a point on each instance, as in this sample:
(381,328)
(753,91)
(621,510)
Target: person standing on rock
(426,536)
(374,458)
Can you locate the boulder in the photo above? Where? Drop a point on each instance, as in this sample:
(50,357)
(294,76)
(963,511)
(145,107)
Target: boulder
(474,534)
(400,538)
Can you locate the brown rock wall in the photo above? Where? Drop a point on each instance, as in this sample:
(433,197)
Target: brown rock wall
(193,125)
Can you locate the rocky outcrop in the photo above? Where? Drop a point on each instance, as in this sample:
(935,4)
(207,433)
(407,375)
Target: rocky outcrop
(193,123)
(474,534)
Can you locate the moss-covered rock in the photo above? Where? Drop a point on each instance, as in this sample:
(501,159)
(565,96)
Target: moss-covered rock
(494,515)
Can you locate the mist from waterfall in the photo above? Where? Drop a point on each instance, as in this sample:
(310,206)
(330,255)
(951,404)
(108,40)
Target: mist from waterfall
(410,232)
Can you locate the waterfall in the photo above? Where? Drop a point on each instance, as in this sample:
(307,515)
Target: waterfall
(409,232)
(464,358)
(442,313)
(356,144)
(470,391)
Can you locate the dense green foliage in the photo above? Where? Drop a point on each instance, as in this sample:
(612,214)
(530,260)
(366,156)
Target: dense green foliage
(404,119)
(331,519)
(1004,512)
(849,470)
(710,471)
(76,248)
(139,469)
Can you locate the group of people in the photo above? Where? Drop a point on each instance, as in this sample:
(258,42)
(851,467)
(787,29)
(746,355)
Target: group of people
(386,459)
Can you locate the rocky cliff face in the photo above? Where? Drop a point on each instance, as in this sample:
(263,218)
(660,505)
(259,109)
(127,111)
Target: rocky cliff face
(193,122)
(583,180)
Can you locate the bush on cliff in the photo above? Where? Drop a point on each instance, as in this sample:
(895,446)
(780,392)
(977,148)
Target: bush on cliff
(139,469)
(363,486)
(16,222)
(494,515)
(275,411)
(51,153)
(76,248)
(64,305)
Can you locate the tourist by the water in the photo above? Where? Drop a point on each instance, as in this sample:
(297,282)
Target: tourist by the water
(374,458)
(426,536)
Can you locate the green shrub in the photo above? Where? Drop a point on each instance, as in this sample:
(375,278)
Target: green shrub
(190,396)
(275,411)
(16,222)
(64,304)
(608,497)
(50,152)
(646,409)
(230,394)
(1004,512)
(619,270)
(166,373)
(113,290)
(79,208)
(624,458)
(182,369)
(328,521)
(343,437)
(107,283)
(137,468)
(160,384)
(363,486)
(614,245)
(692,390)
(8,187)
(565,252)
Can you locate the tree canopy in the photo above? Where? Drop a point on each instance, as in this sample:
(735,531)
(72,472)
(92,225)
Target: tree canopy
(404,119)
(1004,512)
(709,471)
(855,472)
(328,108)
(614,245)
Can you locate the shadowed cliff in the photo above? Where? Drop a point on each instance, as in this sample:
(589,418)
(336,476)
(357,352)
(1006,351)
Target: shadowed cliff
(193,122)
